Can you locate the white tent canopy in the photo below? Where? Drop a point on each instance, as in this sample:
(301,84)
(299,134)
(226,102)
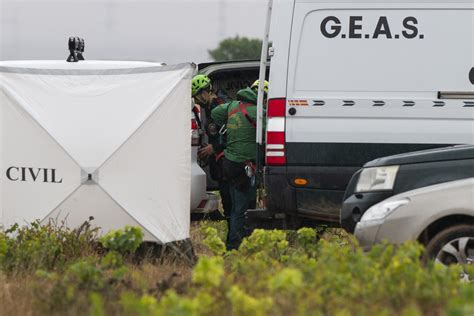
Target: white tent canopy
(93,138)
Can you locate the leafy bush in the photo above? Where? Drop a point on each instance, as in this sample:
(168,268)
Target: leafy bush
(135,305)
(3,247)
(317,272)
(209,272)
(279,272)
(46,247)
(90,278)
(464,303)
(123,241)
(213,242)
(243,304)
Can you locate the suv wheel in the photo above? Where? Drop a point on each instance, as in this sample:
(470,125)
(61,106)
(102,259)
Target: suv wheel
(454,245)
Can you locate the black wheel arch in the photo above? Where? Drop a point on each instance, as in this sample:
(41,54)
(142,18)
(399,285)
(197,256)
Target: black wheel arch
(443,223)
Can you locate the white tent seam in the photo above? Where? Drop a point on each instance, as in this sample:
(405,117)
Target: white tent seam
(22,108)
(62,201)
(157,107)
(123,208)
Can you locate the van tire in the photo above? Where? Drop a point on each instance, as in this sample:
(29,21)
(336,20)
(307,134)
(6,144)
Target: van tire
(446,236)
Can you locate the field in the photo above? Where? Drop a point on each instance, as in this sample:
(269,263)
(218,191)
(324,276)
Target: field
(55,271)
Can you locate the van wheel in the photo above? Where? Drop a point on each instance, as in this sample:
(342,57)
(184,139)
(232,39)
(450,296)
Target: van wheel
(454,245)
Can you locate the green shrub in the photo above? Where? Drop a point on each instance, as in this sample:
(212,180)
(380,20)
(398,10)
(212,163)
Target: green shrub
(287,280)
(304,272)
(84,275)
(212,241)
(220,227)
(124,241)
(244,304)
(91,278)
(209,272)
(3,247)
(97,305)
(463,304)
(170,304)
(46,247)
(138,305)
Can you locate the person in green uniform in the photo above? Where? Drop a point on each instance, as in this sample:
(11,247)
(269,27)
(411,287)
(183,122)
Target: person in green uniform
(201,91)
(240,153)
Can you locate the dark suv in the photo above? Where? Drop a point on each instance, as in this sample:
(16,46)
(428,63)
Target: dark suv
(384,177)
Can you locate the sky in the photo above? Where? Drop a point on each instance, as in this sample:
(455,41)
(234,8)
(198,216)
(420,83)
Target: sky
(170,31)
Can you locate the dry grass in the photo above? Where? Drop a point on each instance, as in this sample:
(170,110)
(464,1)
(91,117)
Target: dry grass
(22,294)
(16,295)
(29,294)
(197,240)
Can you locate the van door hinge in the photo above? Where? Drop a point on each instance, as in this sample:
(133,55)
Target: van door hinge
(271,51)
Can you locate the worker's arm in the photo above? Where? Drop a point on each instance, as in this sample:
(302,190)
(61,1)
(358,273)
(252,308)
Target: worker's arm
(219,114)
(219,117)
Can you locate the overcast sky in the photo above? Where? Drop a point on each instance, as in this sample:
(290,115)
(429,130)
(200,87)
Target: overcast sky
(170,31)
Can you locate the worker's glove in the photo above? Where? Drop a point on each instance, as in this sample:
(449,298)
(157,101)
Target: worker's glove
(205,152)
(201,160)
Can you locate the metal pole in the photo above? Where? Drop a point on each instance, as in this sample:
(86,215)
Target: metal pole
(261,77)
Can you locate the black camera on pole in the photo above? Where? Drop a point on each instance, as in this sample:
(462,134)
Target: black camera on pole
(76,47)
(80,49)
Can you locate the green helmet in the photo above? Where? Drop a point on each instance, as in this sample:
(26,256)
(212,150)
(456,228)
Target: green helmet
(199,83)
(254,85)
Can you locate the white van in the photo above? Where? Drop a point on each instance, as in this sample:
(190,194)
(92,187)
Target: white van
(351,81)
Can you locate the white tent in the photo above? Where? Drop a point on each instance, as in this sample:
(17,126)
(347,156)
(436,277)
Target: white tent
(104,139)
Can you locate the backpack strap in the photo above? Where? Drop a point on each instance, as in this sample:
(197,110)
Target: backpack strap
(243,109)
(234,111)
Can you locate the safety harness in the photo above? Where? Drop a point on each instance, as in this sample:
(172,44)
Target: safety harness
(250,167)
(243,109)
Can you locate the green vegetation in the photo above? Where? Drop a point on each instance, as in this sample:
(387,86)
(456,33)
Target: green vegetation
(54,270)
(237,48)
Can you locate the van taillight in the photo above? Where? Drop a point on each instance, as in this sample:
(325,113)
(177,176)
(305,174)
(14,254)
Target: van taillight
(276,107)
(275,153)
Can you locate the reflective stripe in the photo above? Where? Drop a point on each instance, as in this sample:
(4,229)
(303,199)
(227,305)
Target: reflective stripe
(276,124)
(275,146)
(275,154)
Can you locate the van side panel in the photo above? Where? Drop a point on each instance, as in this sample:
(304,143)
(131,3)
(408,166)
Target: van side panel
(369,49)
(373,74)
(364,81)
